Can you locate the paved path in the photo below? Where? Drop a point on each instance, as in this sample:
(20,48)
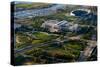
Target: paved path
(87,51)
(83,55)
(35,45)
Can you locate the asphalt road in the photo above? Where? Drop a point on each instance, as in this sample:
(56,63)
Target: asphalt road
(38,12)
(87,51)
(32,46)
(83,55)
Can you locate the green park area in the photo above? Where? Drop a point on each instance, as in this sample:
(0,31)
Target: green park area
(42,37)
(67,52)
(32,5)
(61,16)
(23,40)
(36,44)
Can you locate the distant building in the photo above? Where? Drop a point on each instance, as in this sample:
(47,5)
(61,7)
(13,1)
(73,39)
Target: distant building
(58,26)
(51,25)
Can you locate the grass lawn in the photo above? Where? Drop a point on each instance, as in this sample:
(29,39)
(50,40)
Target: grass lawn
(33,5)
(40,35)
(71,50)
(61,16)
(44,36)
(37,41)
(22,40)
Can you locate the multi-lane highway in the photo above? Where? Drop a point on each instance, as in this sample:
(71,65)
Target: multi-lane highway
(87,51)
(83,54)
(38,12)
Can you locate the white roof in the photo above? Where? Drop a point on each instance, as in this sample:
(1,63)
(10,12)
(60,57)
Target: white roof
(52,21)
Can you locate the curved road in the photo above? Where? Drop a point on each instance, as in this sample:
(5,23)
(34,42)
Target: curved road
(83,55)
